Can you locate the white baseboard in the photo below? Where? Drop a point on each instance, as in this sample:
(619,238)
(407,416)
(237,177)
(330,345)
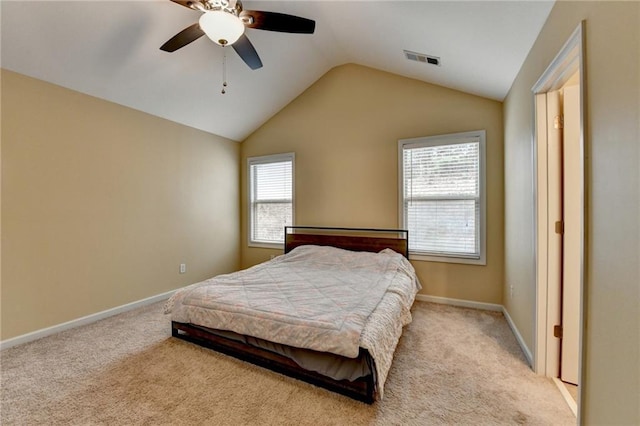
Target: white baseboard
(573,405)
(459,302)
(523,345)
(29,337)
(484,306)
(39,334)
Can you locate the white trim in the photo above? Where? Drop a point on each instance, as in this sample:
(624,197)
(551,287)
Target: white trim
(514,329)
(459,302)
(485,307)
(479,136)
(447,259)
(539,195)
(39,334)
(566,395)
(570,58)
(266,159)
(272,246)
(30,337)
(564,65)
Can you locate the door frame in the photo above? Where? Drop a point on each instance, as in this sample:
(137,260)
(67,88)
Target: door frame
(546,356)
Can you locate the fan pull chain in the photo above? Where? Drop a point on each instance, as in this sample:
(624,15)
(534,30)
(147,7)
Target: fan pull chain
(224,70)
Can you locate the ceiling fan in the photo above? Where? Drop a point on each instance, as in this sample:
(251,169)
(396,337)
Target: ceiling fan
(224,22)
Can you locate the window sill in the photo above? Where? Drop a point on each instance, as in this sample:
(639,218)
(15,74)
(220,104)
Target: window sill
(275,246)
(448,259)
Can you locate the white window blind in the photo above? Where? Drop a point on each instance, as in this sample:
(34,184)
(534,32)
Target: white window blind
(442,195)
(271,198)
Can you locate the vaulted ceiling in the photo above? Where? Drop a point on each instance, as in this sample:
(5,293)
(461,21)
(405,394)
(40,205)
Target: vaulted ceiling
(110,49)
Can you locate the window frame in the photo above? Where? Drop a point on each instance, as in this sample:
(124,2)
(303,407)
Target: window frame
(267,159)
(438,140)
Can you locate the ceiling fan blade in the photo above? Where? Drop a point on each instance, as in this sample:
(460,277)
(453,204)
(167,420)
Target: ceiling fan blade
(247,52)
(183,38)
(191,4)
(273,21)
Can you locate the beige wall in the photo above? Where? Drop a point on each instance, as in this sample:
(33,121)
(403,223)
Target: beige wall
(344,131)
(101,203)
(611,373)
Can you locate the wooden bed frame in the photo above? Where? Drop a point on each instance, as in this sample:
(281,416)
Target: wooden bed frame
(357,239)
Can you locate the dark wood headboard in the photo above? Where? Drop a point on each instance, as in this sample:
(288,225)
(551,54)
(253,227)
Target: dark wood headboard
(355,239)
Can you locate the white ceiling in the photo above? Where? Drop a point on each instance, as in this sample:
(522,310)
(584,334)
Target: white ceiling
(110,49)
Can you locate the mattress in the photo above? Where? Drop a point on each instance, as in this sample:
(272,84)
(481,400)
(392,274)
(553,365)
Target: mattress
(331,365)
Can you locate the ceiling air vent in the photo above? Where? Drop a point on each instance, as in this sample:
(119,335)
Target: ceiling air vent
(421,57)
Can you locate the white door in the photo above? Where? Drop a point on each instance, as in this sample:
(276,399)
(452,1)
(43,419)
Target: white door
(572,218)
(554,216)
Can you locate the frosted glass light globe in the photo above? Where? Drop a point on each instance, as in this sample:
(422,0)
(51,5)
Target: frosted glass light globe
(221,27)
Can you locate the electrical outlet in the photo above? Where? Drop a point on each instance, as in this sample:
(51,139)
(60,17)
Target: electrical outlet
(183,268)
(511,291)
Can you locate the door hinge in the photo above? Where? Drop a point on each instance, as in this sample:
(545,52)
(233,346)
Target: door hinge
(557,331)
(560,227)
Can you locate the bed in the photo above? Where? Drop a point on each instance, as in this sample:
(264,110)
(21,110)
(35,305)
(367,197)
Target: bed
(329,311)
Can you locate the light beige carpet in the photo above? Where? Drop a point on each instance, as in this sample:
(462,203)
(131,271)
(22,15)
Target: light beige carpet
(452,366)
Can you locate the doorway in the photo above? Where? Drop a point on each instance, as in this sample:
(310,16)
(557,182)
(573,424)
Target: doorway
(559,216)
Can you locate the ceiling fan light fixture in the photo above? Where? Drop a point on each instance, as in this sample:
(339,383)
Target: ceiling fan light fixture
(221,27)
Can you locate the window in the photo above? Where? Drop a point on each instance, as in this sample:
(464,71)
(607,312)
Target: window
(442,196)
(270,199)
